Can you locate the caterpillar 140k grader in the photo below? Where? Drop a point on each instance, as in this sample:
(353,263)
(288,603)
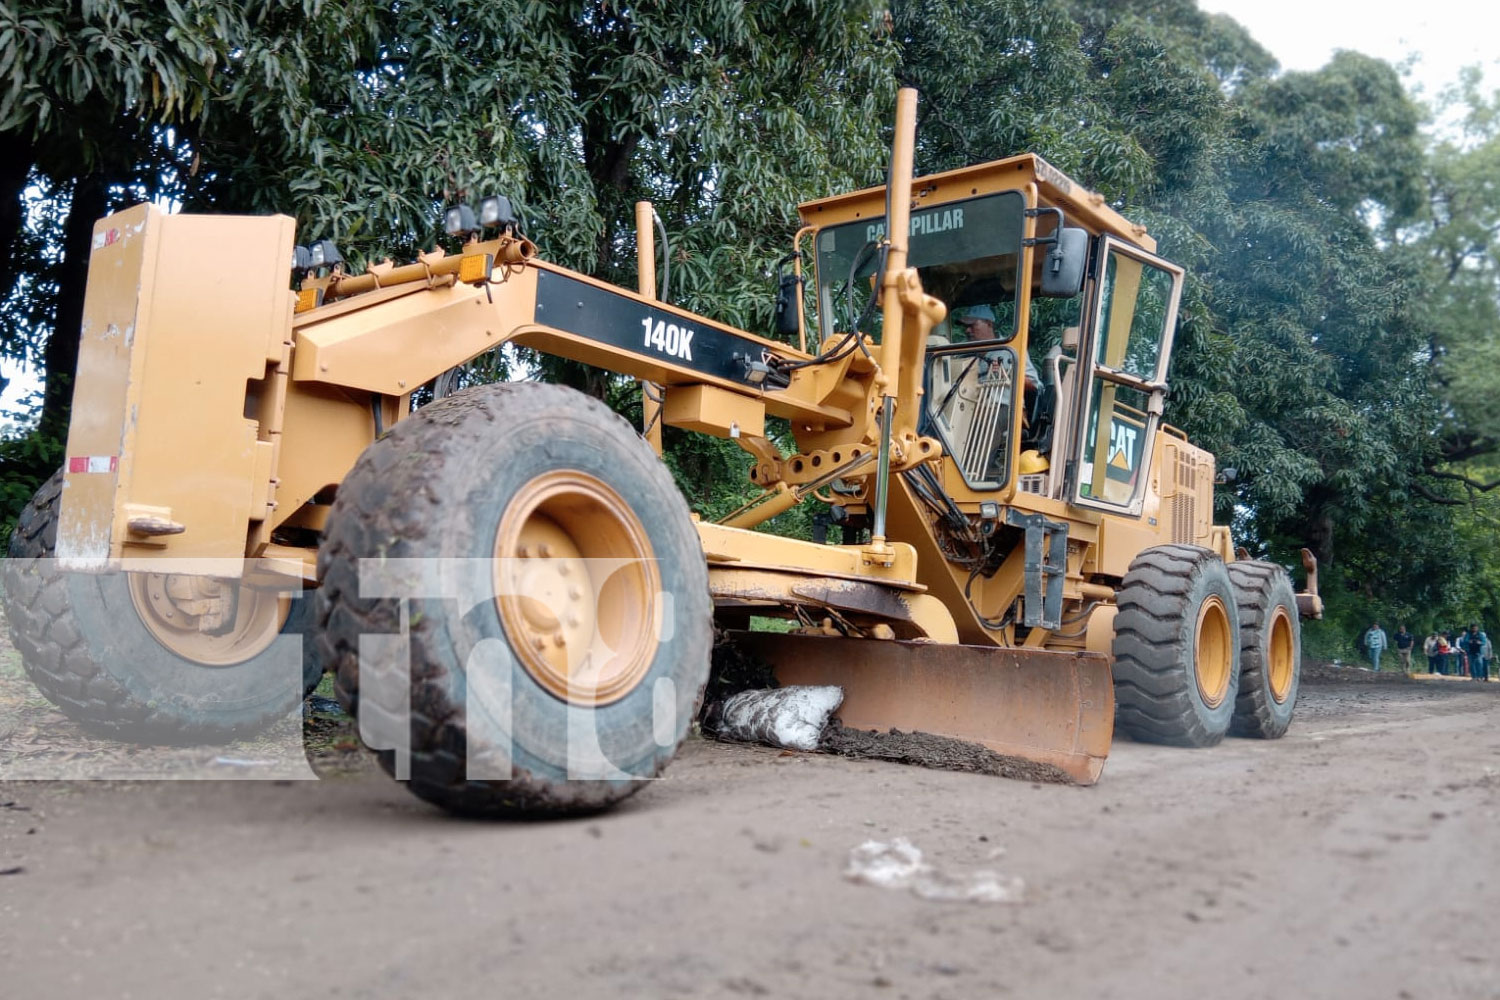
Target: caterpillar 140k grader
(516,599)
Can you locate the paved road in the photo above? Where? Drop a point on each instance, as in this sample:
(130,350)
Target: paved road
(1355,858)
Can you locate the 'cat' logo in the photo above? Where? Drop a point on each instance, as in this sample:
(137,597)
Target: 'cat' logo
(669,338)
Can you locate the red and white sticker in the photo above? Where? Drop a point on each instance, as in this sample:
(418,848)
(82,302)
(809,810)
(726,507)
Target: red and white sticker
(93,463)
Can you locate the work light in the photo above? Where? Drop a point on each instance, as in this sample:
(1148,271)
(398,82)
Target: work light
(496,211)
(324,254)
(458,220)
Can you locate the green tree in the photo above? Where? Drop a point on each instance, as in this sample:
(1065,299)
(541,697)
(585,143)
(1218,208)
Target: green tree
(363,118)
(1302,349)
(1460,234)
(106,102)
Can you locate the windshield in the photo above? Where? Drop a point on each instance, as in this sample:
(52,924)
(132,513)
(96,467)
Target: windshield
(966,252)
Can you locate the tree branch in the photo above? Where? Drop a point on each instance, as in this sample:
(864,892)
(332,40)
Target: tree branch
(1435,497)
(1461,448)
(1472,484)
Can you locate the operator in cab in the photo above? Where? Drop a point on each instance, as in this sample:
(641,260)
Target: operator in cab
(978,322)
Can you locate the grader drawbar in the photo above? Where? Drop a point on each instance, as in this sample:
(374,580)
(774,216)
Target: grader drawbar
(267,479)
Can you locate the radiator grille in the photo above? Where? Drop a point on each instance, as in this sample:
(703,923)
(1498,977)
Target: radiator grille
(1184,499)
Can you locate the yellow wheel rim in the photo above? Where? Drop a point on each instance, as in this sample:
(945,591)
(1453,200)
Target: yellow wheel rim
(577,588)
(210,622)
(1282,655)
(1213,653)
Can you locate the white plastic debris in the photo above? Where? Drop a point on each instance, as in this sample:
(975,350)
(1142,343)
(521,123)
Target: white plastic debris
(791,717)
(893,865)
(974,887)
(898,864)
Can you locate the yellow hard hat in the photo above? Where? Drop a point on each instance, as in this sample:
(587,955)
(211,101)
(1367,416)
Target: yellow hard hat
(1032,462)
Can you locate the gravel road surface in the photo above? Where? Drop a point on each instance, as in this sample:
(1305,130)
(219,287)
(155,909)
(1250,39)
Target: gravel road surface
(1357,857)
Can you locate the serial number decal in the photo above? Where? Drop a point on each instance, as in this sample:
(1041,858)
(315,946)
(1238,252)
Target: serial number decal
(1053,176)
(668,338)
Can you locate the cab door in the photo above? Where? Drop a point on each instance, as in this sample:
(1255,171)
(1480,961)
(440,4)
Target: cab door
(1126,346)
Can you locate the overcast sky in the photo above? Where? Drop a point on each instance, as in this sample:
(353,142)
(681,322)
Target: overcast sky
(1446,34)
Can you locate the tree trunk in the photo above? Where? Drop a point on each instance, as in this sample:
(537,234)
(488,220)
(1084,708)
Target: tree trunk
(608,163)
(16,158)
(90,202)
(1320,536)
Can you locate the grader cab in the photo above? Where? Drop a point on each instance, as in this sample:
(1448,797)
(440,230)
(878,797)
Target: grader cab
(264,483)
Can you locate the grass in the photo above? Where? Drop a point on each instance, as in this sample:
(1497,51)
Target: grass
(759,623)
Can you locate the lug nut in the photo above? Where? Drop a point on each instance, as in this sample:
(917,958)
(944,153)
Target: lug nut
(538,644)
(558,640)
(544,550)
(524,552)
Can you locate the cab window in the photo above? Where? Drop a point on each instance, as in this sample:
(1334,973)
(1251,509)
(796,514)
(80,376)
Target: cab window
(1132,316)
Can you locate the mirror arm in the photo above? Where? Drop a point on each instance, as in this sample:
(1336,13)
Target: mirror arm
(1041,241)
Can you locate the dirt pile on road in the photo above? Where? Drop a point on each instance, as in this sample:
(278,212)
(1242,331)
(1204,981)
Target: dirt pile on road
(927,750)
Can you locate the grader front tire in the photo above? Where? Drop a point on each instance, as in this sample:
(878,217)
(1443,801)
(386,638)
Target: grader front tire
(1270,649)
(562,531)
(1176,647)
(104,648)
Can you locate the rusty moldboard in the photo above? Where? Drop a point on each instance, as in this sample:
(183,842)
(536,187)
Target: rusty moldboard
(1051,707)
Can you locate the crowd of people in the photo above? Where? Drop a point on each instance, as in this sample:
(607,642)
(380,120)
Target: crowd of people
(1461,653)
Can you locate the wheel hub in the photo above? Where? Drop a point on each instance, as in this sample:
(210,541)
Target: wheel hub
(1213,651)
(211,622)
(1281,667)
(577,588)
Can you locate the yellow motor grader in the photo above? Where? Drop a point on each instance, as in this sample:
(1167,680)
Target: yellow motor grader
(267,477)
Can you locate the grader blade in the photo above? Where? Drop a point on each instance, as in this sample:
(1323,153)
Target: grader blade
(1050,707)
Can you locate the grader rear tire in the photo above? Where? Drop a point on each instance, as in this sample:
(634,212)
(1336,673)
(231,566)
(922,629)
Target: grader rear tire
(101,650)
(1270,649)
(1176,647)
(518,493)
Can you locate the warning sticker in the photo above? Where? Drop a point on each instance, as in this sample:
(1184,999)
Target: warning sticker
(93,463)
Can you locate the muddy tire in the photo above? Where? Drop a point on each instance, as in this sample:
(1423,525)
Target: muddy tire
(85,646)
(1270,649)
(1176,647)
(463,705)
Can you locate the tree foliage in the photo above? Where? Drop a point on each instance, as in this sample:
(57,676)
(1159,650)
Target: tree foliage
(363,118)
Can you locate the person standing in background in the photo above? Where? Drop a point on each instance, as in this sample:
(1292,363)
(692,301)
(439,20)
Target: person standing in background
(1375,643)
(1430,650)
(1474,642)
(1404,641)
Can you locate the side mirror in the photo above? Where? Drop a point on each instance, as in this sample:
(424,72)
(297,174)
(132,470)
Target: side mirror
(788,291)
(1062,270)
